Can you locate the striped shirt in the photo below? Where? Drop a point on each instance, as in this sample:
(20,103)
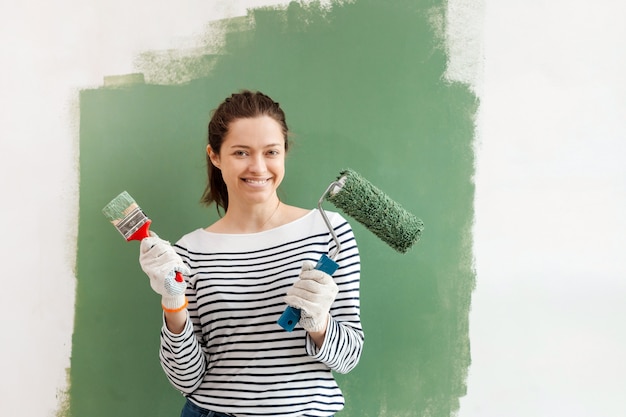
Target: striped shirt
(232,356)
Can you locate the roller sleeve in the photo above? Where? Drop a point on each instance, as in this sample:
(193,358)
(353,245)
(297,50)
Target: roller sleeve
(371,207)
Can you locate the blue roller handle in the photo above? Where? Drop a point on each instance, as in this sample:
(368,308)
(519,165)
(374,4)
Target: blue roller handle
(291,316)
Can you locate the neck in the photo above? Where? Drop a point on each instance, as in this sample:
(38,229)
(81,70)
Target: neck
(253,219)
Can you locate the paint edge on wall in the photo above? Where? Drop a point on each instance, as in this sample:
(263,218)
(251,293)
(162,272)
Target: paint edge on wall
(63,396)
(195,57)
(123,80)
(70,239)
(464,42)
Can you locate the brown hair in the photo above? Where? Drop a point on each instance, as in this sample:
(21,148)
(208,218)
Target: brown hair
(243,105)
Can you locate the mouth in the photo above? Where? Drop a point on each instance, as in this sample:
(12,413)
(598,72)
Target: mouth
(256,181)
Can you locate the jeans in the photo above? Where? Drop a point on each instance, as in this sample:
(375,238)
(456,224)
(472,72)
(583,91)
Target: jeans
(192,410)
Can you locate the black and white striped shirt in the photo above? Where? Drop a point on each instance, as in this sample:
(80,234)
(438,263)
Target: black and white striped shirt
(233,357)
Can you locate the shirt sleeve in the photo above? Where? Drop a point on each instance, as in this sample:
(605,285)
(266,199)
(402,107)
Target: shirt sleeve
(341,349)
(344,338)
(182,358)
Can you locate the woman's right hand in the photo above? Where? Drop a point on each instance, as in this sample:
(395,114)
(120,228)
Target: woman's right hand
(161,263)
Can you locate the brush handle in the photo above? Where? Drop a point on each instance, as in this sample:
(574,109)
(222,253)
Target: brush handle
(291,315)
(144,232)
(141,233)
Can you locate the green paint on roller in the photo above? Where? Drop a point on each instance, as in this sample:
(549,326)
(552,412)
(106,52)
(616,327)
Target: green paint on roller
(371,207)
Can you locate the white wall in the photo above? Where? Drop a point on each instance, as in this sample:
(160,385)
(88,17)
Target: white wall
(547,327)
(547,331)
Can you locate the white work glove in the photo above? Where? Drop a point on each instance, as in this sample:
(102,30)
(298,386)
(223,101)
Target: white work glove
(160,262)
(313,294)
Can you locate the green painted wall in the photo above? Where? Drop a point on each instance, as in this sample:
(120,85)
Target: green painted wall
(362,87)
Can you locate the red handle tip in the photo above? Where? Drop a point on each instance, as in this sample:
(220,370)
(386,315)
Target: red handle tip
(179,277)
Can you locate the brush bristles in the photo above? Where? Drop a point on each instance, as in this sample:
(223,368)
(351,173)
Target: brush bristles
(119,207)
(384,217)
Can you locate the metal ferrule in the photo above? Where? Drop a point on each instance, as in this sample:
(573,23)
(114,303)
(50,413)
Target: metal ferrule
(132,222)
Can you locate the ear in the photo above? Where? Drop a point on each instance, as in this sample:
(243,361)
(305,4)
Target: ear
(215,158)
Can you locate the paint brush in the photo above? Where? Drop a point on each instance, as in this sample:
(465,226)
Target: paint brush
(128,218)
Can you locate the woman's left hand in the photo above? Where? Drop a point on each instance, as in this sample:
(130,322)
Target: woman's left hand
(313,294)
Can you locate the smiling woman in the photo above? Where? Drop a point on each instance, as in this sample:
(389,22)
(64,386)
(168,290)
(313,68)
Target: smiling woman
(220,344)
(234,117)
(252,165)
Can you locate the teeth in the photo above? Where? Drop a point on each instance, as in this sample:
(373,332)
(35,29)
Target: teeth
(256,181)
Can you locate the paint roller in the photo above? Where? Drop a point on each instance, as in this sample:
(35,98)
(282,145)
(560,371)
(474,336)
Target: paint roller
(368,205)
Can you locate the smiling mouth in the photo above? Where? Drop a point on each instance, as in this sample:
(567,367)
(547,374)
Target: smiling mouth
(256,181)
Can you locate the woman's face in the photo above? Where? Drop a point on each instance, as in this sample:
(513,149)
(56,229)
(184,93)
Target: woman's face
(252,160)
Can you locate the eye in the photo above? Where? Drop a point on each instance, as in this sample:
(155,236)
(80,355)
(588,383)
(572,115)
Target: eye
(240,153)
(273,152)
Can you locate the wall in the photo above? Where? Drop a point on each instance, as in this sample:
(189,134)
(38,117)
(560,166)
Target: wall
(547,314)
(547,238)
(370,104)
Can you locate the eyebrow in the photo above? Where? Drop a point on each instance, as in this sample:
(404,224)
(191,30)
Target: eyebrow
(271,145)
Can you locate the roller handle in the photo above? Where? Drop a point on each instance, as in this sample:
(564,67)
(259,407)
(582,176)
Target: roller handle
(291,315)
(144,232)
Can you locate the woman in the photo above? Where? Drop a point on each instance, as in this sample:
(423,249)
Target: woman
(220,343)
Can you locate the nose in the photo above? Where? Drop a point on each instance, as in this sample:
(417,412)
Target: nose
(257,164)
